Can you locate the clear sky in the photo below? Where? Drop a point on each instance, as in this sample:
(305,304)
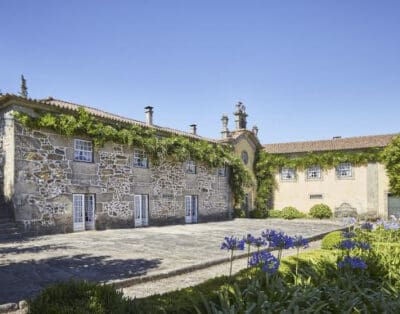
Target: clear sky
(304,69)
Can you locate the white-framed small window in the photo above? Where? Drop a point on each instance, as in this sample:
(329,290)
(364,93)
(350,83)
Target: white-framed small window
(344,170)
(140,158)
(314,173)
(190,167)
(221,172)
(288,174)
(83,150)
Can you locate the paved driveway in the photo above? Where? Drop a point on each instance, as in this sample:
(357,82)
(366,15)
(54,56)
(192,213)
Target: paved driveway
(29,265)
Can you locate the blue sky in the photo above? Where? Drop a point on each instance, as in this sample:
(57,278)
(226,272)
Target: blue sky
(304,69)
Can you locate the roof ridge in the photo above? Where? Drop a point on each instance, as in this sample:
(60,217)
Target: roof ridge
(333,139)
(110,115)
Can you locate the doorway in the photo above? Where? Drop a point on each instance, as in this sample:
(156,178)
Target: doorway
(191,209)
(83,211)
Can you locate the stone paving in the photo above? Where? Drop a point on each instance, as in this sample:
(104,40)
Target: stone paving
(29,265)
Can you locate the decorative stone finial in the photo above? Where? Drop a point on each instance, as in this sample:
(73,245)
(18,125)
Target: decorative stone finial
(240,116)
(255,130)
(225,130)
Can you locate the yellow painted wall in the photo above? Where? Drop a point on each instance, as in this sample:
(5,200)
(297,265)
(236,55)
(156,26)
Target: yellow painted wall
(335,191)
(243,143)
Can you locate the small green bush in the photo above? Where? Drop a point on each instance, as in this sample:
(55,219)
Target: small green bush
(274,213)
(291,213)
(239,213)
(331,240)
(320,211)
(79,297)
(258,213)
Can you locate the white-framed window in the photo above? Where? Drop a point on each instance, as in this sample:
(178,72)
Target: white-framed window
(314,173)
(83,150)
(344,170)
(221,172)
(84,206)
(141,210)
(288,174)
(191,208)
(190,167)
(140,158)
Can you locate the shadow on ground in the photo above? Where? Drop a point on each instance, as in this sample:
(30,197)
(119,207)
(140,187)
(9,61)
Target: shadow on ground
(26,279)
(32,249)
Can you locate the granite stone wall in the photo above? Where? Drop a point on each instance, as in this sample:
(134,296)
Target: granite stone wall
(46,177)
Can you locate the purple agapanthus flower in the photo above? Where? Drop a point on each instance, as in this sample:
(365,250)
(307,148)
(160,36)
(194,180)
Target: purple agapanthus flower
(232,243)
(259,242)
(347,244)
(348,234)
(349,220)
(266,261)
(367,226)
(278,239)
(299,241)
(391,226)
(352,262)
(363,245)
(249,239)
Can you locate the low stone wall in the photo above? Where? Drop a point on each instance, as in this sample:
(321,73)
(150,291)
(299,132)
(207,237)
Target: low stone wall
(46,176)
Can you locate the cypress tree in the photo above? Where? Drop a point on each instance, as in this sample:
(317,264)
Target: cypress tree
(24,88)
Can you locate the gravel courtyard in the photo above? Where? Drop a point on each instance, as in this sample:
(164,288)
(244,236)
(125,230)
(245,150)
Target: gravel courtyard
(29,265)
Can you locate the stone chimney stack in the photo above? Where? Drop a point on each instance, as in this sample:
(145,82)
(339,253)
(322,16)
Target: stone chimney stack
(255,130)
(240,116)
(193,129)
(225,130)
(149,115)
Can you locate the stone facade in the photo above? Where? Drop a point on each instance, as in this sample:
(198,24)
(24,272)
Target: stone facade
(47,176)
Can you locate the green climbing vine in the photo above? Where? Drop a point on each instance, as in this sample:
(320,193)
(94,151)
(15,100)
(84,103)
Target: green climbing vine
(157,145)
(391,158)
(268,165)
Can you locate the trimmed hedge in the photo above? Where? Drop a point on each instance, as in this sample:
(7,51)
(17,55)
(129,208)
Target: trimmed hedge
(274,213)
(291,213)
(321,211)
(331,240)
(80,297)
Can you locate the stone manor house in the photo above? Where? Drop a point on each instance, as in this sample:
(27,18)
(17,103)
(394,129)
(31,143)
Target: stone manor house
(52,183)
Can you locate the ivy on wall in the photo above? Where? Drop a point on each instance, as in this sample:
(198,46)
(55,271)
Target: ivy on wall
(158,146)
(391,158)
(268,165)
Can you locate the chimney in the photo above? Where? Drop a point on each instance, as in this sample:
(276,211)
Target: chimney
(193,129)
(149,115)
(225,131)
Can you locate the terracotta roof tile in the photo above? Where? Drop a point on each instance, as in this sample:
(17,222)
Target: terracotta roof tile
(330,145)
(65,105)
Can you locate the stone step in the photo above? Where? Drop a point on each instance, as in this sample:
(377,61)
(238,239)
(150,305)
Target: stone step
(5,220)
(6,225)
(8,230)
(10,237)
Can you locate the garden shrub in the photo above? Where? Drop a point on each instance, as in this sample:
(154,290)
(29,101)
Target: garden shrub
(258,213)
(274,213)
(321,211)
(79,297)
(331,240)
(239,213)
(292,213)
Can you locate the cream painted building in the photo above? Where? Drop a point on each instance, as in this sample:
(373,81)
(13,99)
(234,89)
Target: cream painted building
(362,189)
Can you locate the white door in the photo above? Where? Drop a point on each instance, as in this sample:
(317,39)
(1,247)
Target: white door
(190,209)
(79,211)
(141,210)
(89,212)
